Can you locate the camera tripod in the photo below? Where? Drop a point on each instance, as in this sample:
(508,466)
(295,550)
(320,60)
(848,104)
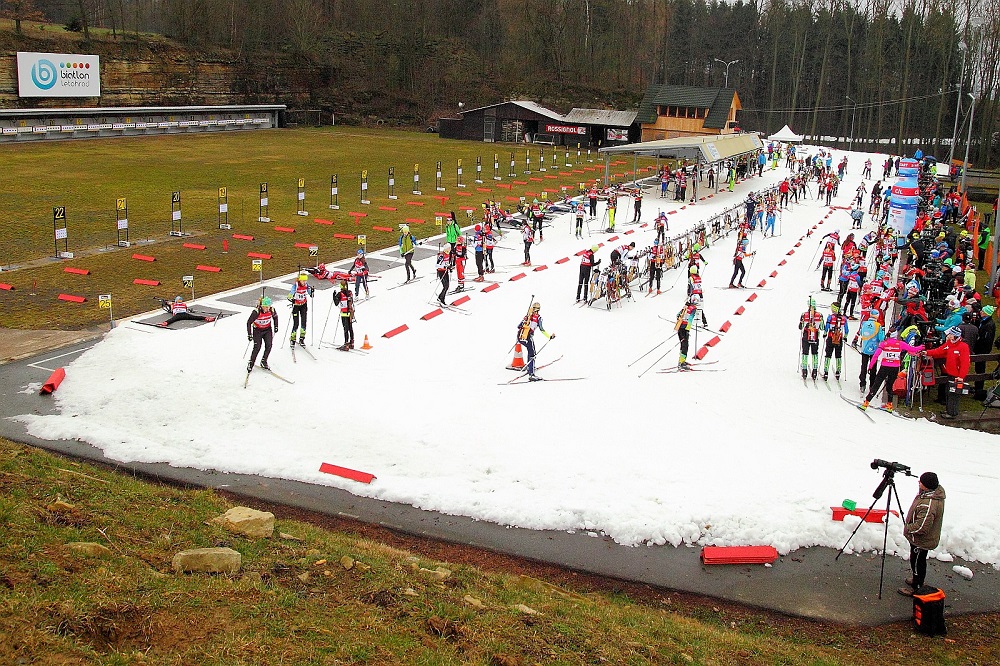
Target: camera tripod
(888,482)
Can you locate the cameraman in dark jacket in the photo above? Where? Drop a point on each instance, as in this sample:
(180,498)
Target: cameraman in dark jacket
(922,528)
(984,345)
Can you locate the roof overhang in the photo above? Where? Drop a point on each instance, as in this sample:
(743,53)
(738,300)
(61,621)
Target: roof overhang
(706,148)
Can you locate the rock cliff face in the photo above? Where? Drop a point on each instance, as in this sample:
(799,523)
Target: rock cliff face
(158,73)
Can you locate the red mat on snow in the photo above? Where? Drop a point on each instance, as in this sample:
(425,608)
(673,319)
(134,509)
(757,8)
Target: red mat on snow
(738,554)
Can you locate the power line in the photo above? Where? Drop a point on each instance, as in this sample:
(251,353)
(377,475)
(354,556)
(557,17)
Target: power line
(848,107)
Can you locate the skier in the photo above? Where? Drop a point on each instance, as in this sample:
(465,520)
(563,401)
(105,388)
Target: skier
(771,217)
(360,271)
(579,219)
(656,257)
(488,244)
(592,196)
(528,236)
(460,256)
(477,240)
(443,270)
(661,227)
(890,351)
(834,331)
(587,263)
(637,206)
(738,268)
(694,282)
(537,217)
(827,260)
(685,321)
(451,233)
(871,335)
(178,310)
(299,298)
(612,207)
(526,336)
(345,301)
(262,325)
(809,324)
(407,243)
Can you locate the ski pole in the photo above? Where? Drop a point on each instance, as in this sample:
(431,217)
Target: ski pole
(247,349)
(659,359)
(312,326)
(652,350)
(325,323)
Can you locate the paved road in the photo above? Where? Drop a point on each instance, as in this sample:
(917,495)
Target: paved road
(807,583)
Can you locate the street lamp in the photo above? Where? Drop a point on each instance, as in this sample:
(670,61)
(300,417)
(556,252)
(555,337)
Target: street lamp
(958,105)
(728,65)
(850,145)
(968,140)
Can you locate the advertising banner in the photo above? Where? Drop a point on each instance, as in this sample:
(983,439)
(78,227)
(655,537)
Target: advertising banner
(565,129)
(58,75)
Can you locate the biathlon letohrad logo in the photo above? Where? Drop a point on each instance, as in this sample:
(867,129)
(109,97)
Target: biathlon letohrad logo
(43,74)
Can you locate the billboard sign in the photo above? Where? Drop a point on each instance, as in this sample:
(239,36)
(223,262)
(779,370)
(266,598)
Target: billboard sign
(617,134)
(565,129)
(58,75)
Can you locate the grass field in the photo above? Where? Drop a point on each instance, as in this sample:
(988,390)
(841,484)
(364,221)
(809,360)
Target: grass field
(294,602)
(88,176)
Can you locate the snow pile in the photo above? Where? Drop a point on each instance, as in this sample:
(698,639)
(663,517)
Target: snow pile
(746,454)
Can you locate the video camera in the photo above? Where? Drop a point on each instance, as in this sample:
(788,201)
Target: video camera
(893,466)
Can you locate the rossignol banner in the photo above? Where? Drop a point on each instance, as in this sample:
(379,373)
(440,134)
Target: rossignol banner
(58,75)
(565,129)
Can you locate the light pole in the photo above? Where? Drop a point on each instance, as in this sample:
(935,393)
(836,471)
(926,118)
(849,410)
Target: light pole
(850,145)
(968,140)
(958,105)
(728,65)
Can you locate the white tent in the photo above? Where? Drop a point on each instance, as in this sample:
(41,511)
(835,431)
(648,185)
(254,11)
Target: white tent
(785,135)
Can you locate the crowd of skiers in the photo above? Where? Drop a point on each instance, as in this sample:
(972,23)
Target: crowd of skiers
(936,312)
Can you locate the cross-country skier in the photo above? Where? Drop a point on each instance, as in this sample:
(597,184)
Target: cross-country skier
(529,238)
(262,325)
(443,269)
(477,242)
(407,243)
(612,206)
(587,263)
(526,336)
(656,259)
(771,217)
(537,217)
(451,233)
(592,198)
(738,268)
(489,242)
(299,298)
(360,272)
(827,259)
(871,334)
(345,301)
(178,310)
(579,219)
(810,323)
(685,322)
(890,352)
(460,256)
(694,282)
(834,331)
(637,206)
(661,227)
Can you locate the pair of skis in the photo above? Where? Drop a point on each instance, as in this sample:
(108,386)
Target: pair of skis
(691,367)
(270,372)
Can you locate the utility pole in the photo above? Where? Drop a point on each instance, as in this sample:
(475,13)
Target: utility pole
(853,111)
(958,105)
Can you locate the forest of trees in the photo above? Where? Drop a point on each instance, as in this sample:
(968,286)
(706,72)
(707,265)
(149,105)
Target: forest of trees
(892,67)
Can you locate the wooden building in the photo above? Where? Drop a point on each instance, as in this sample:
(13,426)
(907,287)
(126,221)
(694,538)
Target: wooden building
(667,112)
(522,121)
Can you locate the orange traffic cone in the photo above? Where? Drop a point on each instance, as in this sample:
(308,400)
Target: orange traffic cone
(367,345)
(518,362)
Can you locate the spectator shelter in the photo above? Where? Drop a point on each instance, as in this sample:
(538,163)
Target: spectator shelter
(700,150)
(18,125)
(527,122)
(667,112)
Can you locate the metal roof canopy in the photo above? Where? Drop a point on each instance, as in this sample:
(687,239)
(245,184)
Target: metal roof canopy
(701,149)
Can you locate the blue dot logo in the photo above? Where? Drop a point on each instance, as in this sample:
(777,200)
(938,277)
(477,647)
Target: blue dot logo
(43,74)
